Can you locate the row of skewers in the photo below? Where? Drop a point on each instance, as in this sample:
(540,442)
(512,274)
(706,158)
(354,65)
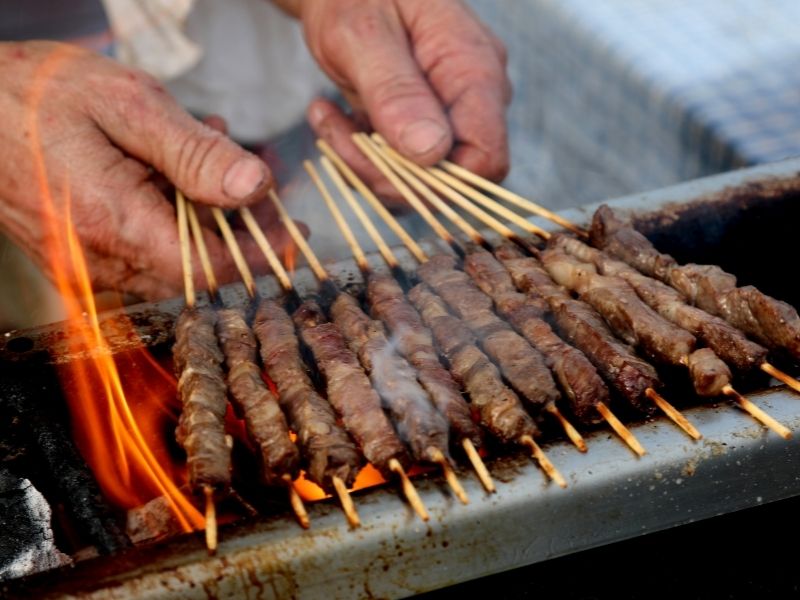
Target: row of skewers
(527,331)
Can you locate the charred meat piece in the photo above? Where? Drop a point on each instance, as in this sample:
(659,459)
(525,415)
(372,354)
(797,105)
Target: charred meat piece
(576,376)
(727,342)
(500,409)
(580,325)
(349,389)
(253,401)
(769,321)
(709,374)
(201,385)
(328,450)
(522,365)
(630,318)
(418,422)
(389,304)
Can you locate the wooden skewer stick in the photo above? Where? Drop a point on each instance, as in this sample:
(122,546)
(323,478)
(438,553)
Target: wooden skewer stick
(382,162)
(391,260)
(451,194)
(344,228)
(544,462)
(758,414)
(487,202)
(450,476)
(186,248)
(479,466)
(297,503)
(236,252)
(409,490)
(355,206)
(202,249)
(620,429)
(781,376)
(372,199)
(348,506)
(510,196)
(572,433)
(673,413)
(299,239)
(266,248)
(211,519)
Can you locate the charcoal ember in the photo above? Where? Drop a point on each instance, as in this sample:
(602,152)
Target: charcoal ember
(152,521)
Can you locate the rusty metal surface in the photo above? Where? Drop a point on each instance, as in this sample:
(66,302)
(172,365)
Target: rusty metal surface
(612,495)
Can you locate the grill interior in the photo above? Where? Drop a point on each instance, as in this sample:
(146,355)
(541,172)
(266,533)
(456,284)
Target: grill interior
(743,222)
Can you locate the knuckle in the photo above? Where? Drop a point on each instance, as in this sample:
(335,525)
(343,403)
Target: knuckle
(193,152)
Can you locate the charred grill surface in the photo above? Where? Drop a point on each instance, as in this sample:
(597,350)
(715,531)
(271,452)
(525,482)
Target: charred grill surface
(522,365)
(388,303)
(201,385)
(265,423)
(582,326)
(577,376)
(770,321)
(417,420)
(328,450)
(349,389)
(500,409)
(726,341)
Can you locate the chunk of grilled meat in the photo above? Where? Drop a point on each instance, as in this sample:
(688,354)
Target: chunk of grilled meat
(767,320)
(499,408)
(327,448)
(729,343)
(201,385)
(522,365)
(349,389)
(576,376)
(388,303)
(630,318)
(709,374)
(580,325)
(254,402)
(417,421)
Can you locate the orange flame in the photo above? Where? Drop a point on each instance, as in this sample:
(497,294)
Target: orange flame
(125,450)
(290,256)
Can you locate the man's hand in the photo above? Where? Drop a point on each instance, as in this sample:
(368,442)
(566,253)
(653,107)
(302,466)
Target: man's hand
(89,136)
(426,74)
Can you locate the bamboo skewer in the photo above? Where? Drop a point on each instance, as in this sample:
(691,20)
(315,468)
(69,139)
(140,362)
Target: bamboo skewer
(322,275)
(188,289)
(391,260)
(202,250)
(573,434)
(510,196)
(543,461)
(546,464)
(236,252)
(673,413)
(758,414)
(781,376)
(620,429)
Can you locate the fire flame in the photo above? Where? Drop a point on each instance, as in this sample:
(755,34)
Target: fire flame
(290,256)
(125,450)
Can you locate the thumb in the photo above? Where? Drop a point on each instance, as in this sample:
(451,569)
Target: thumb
(197,158)
(376,58)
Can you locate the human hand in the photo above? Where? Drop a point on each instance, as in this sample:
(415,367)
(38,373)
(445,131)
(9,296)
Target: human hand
(82,132)
(426,74)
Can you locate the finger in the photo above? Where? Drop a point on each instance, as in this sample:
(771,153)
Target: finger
(331,124)
(371,50)
(468,72)
(141,118)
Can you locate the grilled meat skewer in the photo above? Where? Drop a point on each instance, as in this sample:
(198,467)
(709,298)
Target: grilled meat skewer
(769,321)
(388,303)
(418,422)
(726,341)
(201,385)
(521,364)
(580,325)
(577,377)
(328,450)
(349,389)
(500,409)
(254,402)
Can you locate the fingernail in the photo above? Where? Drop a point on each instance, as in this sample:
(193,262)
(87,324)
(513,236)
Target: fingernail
(243,178)
(422,137)
(316,114)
